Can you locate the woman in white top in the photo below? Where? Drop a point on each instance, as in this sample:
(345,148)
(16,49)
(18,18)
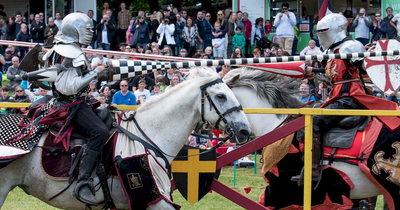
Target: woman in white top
(166,30)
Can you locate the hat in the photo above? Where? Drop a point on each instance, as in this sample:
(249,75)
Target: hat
(122,44)
(8,49)
(165,8)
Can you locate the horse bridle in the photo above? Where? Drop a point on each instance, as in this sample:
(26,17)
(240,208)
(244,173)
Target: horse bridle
(204,92)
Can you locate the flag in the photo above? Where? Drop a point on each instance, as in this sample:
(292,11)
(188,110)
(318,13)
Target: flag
(325,8)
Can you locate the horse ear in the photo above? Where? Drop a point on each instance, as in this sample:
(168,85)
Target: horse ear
(232,80)
(202,72)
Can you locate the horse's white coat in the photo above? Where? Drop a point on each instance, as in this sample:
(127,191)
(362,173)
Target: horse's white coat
(168,122)
(264,123)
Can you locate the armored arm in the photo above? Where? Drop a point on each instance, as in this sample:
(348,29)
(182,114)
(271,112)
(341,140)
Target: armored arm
(70,81)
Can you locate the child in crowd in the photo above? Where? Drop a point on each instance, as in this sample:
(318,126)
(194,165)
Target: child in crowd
(102,98)
(239,40)
(183,53)
(162,82)
(156,90)
(4,94)
(218,41)
(142,94)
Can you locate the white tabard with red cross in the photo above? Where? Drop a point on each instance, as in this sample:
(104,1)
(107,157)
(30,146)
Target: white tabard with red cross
(384,71)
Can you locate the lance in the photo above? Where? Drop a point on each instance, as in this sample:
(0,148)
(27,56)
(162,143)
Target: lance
(279,65)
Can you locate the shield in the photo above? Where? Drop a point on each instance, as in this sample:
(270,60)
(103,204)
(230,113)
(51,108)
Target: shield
(31,60)
(194,175)
(384,71)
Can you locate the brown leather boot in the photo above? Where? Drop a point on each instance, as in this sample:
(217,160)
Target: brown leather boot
(316,159)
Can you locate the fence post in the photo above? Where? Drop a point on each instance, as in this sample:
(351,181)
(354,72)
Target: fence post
(307,161)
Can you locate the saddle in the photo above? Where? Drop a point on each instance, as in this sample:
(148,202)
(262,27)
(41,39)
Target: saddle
(342,136)
(78,139)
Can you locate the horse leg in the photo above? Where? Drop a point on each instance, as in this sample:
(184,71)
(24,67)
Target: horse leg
(5,188)
(161,205)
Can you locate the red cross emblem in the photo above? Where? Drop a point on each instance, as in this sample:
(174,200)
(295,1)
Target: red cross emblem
(384,71)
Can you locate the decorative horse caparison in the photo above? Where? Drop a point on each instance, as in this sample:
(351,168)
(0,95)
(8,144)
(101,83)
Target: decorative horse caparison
(258,89)
(167,119)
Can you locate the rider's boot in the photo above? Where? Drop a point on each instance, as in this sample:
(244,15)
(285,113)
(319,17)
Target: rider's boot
(84,190)
(316,159)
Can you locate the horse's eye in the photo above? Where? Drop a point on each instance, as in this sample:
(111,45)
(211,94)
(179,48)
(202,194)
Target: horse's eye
(221,96)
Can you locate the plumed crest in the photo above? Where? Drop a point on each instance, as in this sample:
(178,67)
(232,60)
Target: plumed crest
(272,87)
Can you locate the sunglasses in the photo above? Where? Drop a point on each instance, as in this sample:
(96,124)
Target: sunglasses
(377,15)
(124,85)
(18,91)
(226,66)
(208,15)
(220,14)
(128,48)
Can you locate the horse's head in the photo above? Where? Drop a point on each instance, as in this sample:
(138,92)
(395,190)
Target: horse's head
(219,106)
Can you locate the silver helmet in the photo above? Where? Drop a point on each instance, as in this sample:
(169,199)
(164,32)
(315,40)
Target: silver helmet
(331,29)
(76,27)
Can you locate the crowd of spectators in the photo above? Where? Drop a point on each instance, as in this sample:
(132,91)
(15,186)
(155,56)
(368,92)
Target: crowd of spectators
(176,33)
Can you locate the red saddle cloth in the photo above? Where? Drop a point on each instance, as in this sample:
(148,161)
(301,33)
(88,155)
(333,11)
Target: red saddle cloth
(58,165)
(352,153)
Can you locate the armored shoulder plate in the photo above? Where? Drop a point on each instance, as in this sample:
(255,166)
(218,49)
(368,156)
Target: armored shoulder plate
(71,51)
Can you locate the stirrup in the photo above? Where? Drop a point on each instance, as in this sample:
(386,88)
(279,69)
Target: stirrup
(89,184)
(300,178)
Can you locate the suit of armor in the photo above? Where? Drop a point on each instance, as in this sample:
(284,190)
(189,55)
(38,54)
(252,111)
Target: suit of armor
(348,91)
(70,89)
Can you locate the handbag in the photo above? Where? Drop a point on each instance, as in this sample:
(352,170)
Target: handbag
(262,42)
(181,37)
(134,40)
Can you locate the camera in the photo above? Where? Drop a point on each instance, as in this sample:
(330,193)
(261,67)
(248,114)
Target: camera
(360,14)
(283,11)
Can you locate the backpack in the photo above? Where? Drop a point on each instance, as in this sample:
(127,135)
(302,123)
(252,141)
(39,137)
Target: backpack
(296,31)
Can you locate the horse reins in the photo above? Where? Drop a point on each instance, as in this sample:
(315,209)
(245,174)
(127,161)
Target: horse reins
(204,92)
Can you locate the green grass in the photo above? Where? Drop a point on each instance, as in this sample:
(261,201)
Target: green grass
(18,200)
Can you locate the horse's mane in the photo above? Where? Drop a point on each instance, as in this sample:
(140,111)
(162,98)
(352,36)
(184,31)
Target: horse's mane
(193,75)
(269,86)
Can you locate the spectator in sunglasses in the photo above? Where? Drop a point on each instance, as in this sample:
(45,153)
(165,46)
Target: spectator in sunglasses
(268,53)
(124,96)
(20,94)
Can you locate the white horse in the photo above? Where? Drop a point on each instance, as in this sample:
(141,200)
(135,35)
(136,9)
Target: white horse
(167,119)
(258,89)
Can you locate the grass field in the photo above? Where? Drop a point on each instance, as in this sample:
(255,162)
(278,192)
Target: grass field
(18,200)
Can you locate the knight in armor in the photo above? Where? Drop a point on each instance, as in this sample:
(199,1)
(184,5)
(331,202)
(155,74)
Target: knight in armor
(348,90)
(70,90)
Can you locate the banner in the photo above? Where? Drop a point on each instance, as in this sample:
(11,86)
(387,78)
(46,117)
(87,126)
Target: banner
(395,4)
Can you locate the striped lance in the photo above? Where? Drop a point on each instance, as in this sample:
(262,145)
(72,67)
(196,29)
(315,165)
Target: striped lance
(124,68)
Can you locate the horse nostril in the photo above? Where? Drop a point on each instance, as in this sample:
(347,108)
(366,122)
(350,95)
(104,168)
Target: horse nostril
(244,132)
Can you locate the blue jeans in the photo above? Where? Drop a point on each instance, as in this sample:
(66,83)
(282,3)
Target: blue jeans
(105,46)
(363,41)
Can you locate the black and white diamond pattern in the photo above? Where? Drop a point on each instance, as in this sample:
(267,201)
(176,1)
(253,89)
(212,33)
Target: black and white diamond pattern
(9,126)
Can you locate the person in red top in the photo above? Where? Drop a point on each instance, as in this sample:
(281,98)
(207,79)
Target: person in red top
(247,35)
(222,149)
(348,91)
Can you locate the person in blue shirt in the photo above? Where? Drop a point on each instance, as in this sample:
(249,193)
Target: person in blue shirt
(305,95)
(124,96)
